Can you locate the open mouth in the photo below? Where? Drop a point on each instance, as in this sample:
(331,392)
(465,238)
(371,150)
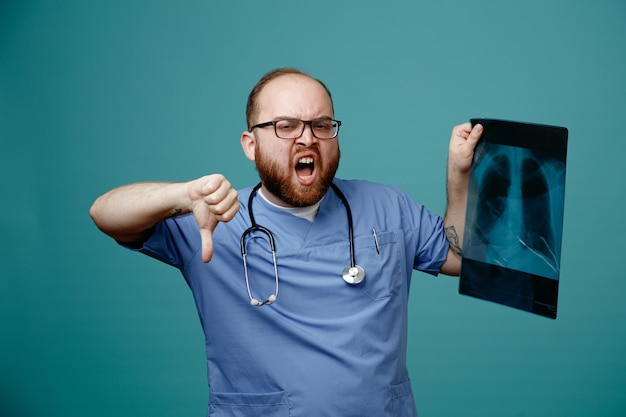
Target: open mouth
(305,168)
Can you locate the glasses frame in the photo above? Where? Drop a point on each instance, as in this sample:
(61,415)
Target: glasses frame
(304,125)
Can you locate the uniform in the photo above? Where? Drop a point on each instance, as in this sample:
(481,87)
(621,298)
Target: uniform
(324,348)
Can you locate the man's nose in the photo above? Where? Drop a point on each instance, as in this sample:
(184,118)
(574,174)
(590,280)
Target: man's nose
(307,138)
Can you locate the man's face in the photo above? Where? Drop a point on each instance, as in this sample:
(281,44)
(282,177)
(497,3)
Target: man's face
(296,172)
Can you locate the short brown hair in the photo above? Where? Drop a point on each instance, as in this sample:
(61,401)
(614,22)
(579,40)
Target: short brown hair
(252,106)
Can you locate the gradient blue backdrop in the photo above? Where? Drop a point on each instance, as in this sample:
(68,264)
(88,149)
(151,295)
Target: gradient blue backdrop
(94,94)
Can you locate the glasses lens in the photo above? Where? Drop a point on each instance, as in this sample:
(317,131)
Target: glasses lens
(324,128)
(289,129)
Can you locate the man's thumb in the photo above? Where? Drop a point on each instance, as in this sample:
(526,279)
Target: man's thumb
(206,234)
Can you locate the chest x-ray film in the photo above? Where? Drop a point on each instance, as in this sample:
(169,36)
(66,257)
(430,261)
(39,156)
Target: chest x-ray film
(514,220)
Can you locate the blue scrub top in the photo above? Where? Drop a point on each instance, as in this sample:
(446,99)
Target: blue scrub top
(324,348)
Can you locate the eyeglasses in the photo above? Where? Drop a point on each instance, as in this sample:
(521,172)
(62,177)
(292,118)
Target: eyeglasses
(293,128)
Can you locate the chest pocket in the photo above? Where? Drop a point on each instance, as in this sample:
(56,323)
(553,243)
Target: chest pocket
(384,263)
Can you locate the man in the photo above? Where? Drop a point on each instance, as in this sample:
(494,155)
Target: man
(322,346)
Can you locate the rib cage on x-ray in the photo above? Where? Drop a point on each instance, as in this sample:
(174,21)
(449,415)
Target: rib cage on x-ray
(516,217)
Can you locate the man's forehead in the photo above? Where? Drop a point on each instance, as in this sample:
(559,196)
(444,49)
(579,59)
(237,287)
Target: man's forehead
(292,88)
(290,79)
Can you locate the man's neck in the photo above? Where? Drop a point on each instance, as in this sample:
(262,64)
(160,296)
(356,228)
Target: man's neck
(308,212)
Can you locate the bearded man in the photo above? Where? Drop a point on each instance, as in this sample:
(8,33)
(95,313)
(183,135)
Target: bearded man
(324,346)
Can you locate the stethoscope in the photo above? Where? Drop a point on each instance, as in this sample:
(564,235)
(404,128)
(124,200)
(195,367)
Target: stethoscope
(352,274)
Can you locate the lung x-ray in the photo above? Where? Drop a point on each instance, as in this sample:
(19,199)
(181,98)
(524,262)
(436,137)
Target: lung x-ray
(514,220)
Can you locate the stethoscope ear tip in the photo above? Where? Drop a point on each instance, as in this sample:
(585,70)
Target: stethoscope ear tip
(257,303)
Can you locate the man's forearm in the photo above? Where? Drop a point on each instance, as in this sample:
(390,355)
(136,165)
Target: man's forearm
(129,213)
(462,144)
(454,220)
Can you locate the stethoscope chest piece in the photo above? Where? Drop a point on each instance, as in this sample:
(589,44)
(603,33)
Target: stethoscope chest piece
(353,275)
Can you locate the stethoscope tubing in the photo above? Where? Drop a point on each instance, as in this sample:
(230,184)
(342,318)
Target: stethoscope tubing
(350,273)
(344,200)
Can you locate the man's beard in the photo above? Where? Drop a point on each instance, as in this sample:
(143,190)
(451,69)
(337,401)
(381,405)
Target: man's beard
(280,183)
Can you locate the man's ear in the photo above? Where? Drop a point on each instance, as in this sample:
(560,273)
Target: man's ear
(248,144)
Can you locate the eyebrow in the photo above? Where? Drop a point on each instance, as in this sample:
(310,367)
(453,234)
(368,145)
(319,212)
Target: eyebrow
(295,118)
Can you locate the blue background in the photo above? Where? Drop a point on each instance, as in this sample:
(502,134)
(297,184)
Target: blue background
(101,93)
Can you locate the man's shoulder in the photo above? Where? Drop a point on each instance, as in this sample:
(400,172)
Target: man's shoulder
(368,195)
(367,188)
